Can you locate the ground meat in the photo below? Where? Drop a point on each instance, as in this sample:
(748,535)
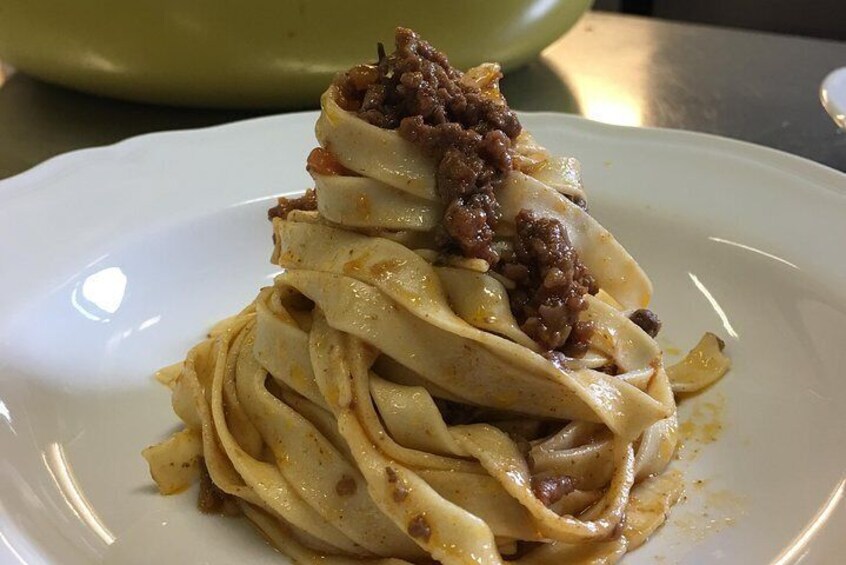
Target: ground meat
(550,490)
(392,474)
(285,206)
(346,486)
(400,491)
(647,320)
(470,135)
(579,339)
(417,92)
(419,528)
(551,283)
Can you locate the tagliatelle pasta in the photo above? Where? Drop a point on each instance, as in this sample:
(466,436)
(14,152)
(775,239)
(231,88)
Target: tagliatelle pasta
(409,390)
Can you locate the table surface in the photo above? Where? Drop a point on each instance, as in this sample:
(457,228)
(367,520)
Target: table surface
(757,87)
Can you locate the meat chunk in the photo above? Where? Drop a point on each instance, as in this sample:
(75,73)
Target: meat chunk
(285,206)
(647,320)
(551,284)
(470,135)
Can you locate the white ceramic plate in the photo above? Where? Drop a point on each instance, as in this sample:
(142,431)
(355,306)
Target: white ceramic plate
(116,260)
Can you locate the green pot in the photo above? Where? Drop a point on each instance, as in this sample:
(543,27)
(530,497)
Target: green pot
(255,53)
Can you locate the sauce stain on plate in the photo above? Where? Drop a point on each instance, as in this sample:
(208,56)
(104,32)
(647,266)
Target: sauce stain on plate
(717,509)
(705,423)
(706,507)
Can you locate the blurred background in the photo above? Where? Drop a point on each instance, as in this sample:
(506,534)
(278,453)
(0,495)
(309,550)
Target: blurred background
(86,73)
(814,18)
